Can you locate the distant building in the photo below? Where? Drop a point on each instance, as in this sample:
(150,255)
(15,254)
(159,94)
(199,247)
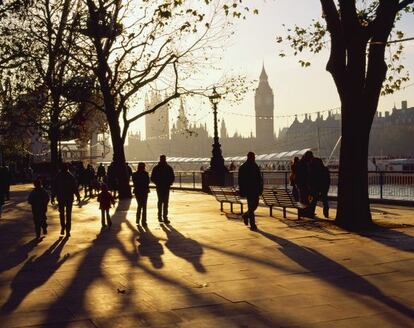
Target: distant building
(186,139)
(264,106)
(157,123)
(390,135)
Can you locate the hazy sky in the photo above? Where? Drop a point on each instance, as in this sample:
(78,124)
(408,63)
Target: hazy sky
(296,89)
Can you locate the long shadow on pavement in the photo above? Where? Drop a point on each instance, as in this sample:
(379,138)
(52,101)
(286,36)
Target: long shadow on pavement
(184,247)
(75,293)
(150,246)
(18,255)
(348,281)
(35,272)
(390,237)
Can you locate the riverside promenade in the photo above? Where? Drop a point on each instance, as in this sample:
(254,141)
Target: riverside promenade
(205,269)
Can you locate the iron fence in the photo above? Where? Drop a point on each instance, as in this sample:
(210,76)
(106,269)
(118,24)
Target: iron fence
(384,185)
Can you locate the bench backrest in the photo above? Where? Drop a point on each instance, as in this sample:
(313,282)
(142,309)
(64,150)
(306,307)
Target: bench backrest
(218,193)
(269,197)
(225,194)
(278,197)
(231,194)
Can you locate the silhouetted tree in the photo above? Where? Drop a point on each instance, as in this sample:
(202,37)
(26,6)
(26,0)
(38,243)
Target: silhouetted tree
(129,47)
(36,54)
(359,36)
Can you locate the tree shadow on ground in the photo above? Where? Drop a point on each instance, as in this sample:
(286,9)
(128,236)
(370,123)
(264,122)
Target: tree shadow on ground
(150,246)
(319,225)
(35,272)
(390,237)
(184,247)
(77,298)
(90,268)
(16,197)
(336,274)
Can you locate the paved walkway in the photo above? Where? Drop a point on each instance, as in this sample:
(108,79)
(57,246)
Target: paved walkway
(206,269)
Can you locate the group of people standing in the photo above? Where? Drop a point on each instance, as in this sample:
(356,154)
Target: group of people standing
(310,181)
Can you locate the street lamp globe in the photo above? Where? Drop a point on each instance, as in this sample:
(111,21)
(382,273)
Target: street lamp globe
(215,97)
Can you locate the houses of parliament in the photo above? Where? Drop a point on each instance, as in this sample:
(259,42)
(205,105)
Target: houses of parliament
(390,134)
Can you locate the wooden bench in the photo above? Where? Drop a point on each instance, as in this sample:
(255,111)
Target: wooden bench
(279,197)
(227,195)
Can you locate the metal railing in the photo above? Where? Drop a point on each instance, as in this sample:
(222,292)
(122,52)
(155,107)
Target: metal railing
(384,185)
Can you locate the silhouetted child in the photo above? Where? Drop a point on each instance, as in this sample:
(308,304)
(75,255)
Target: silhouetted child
(39,198)
(105,200)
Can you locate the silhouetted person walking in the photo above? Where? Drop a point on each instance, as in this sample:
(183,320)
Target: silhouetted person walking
(38,199)
(141,181)
(89,179)
(101,172)
(64,189)
(163,177)
(105,200)
(251,187)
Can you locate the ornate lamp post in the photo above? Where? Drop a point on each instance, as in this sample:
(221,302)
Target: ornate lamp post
(216,174)
(217,160)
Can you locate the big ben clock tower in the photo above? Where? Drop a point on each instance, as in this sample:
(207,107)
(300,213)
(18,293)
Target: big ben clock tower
(264,111)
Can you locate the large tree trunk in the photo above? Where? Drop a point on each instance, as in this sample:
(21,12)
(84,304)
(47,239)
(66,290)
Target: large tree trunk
(353,200)
(54,152)
(119,156)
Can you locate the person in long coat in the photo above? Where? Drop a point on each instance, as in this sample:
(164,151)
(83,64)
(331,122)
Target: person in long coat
(163,177)
(64,189)
(251,186)
(141,181)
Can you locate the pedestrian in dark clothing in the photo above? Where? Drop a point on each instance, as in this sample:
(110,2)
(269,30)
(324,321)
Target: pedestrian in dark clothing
(83,176)
(64,189)
(141,181)
(292,178)
(112,179)
(251,187)
(3,188)
(302,178)
(324,189)
(319,182)
(7,180)
(105,200)
(101,172)
(129,170)
(39,199)
(163,177)
(89,177)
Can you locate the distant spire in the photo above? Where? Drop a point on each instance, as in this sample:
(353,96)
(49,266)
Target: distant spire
(263,74)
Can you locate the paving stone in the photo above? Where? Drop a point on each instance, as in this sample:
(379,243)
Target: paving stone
(204,270)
